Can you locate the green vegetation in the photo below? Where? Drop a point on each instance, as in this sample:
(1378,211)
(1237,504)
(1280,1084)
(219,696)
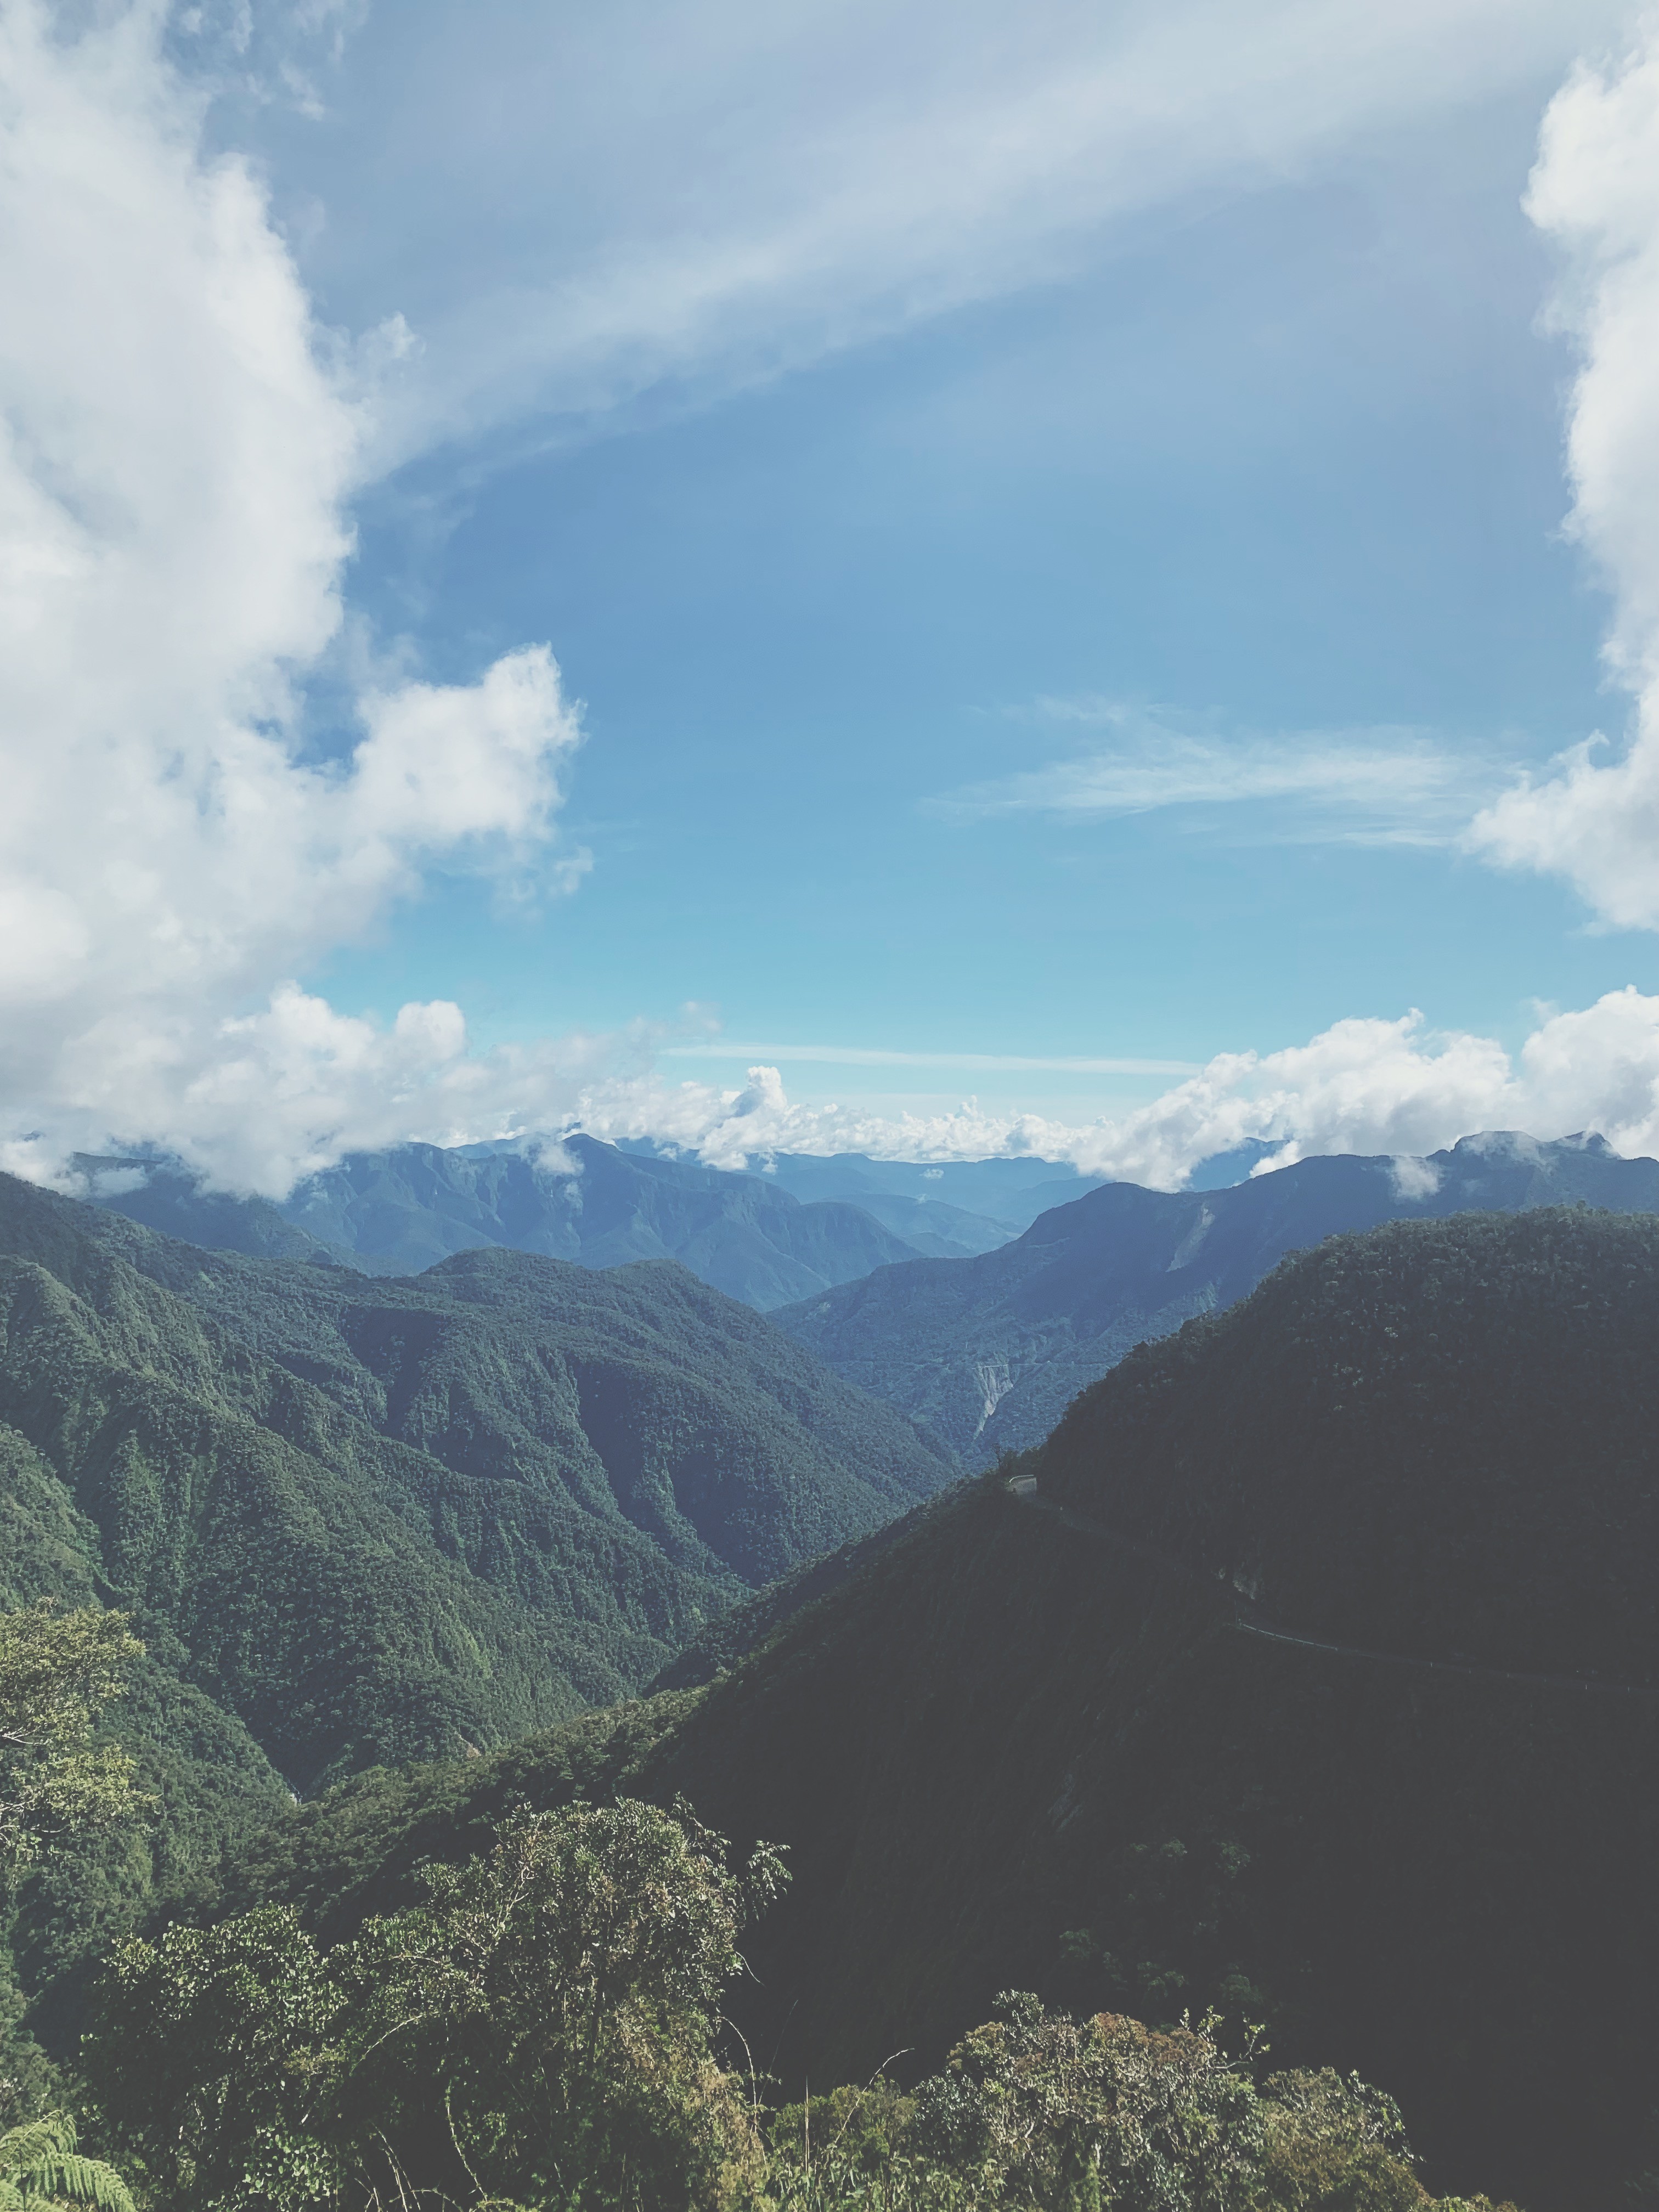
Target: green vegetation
(538,2028)
(358,1524)
(57,1672)
(542,2027)
(1006,1744)
(40,2164)
(1437,1439)
(385,1522)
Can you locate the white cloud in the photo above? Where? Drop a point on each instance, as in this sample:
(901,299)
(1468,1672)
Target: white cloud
(1413,1179)
(1364,1085)
(1594,820)
(1357,786)
(177,454)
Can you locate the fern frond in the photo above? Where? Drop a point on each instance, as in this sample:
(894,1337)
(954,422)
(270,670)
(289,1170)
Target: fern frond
(82,2180)
(51,2136)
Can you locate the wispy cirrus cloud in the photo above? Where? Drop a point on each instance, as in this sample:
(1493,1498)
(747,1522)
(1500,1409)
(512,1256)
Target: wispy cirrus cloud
(845,1055)
(578,207)
(1385,786)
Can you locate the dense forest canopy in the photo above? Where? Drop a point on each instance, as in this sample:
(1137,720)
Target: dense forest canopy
(357,1521)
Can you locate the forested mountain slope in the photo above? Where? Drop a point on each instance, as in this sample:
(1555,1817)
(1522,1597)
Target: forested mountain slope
(398,1212)
(1012,1751)
(989,1351)
(383,1519)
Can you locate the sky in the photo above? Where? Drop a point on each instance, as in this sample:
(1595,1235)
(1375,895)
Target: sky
(934,581)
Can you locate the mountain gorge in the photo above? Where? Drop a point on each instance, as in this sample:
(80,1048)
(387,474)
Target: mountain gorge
(989,1351)
(1396,1800)
(381,1520)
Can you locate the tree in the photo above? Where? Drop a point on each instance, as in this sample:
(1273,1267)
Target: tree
(561,1994)
(539,2029)
(57,1672)
(213,2055)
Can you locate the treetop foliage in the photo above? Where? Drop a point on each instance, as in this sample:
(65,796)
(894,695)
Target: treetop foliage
(57,1672)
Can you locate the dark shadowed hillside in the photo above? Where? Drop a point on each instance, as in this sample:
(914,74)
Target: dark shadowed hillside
(989,1351)
(1014,1749)
(1439,1438)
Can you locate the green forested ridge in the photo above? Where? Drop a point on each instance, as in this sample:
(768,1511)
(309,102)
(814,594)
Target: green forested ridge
(360,1522)
(382,1517)
(1007,1754)
(1443,1440)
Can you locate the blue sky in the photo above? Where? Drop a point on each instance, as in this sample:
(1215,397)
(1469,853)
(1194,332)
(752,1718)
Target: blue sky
(1281,458)
(1055,519)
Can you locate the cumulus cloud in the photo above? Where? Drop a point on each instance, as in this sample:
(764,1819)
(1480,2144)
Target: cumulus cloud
(178,445)
(1593,818)
(1363,1086)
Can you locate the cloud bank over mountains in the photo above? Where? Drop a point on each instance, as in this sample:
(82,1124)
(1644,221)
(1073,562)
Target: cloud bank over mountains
(1365,1087)
(185,834)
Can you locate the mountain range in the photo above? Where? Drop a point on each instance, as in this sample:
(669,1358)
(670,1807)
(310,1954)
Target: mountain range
(977,1296)
(989,1352)
(1308,1671)
(766,1239)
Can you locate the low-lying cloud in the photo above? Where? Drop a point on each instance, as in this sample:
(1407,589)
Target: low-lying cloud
(1364,1085)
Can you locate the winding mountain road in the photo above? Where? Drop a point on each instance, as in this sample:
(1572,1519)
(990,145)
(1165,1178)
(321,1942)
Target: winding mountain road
(1247,1622)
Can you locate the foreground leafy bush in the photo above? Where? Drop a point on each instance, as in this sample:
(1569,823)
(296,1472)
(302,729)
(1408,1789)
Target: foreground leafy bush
(1037,2112)
(538,2031)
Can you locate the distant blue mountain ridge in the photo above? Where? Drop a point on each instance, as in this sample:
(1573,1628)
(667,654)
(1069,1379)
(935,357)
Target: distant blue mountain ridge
(802,1226)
